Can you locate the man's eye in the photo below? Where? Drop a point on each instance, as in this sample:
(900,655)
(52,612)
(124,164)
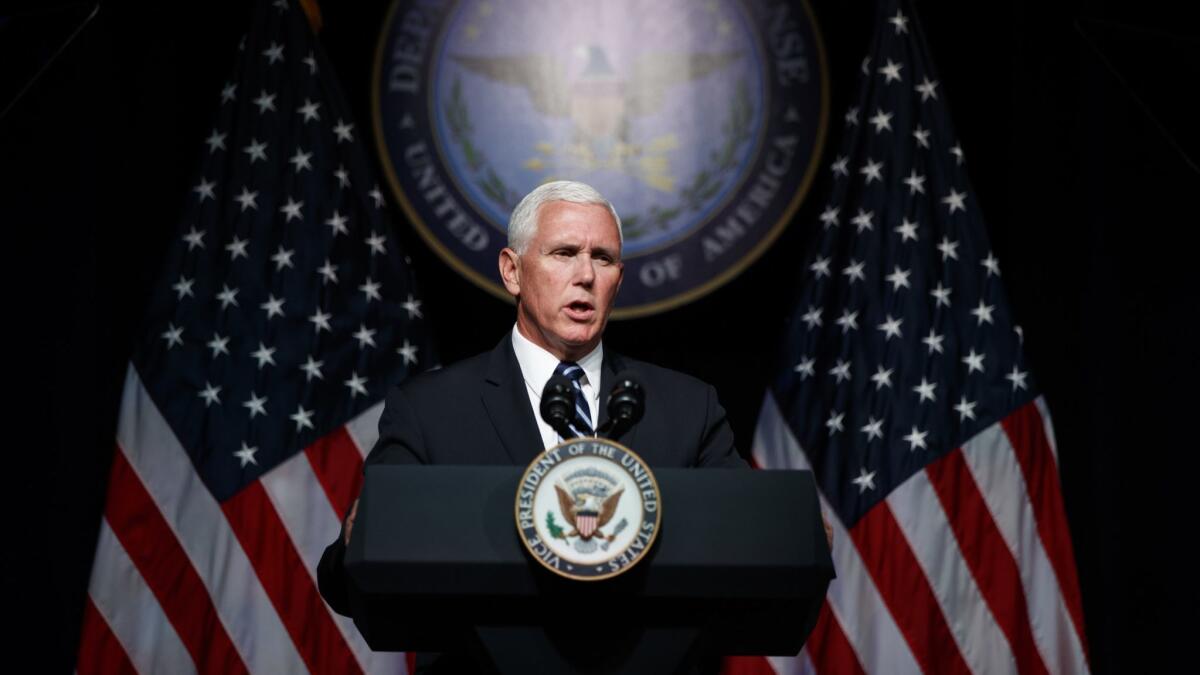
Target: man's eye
(604,259)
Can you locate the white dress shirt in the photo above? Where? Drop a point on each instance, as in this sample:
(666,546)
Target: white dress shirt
(537,365)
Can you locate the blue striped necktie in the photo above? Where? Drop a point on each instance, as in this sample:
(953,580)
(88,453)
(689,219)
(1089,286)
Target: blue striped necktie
(581,421)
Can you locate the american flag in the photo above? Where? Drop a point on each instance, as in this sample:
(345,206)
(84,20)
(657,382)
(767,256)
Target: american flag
(905,391)
(284,312)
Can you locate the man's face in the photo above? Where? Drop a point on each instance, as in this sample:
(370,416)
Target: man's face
(567,278)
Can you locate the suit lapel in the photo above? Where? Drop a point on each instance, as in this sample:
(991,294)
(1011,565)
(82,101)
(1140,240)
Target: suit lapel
(507,404)
(611,367)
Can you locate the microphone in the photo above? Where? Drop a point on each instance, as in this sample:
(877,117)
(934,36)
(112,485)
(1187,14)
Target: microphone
(626,405)
(558,405)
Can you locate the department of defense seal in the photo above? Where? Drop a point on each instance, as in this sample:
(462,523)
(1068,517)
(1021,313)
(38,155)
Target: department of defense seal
(702,122)
(588,509)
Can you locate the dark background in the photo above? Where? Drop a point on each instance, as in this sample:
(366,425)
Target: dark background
(1079,125)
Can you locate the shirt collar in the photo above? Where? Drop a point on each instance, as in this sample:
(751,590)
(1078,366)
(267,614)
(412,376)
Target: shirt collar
(537,364)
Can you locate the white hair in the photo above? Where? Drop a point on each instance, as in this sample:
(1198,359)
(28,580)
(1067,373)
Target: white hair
(522,225)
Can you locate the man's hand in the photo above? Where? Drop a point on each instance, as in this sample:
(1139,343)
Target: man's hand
(354,512)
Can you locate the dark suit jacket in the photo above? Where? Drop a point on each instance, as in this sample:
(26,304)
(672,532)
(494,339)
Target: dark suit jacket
(477,411)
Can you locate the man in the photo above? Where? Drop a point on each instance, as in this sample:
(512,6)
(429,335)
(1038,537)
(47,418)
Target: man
(563,266)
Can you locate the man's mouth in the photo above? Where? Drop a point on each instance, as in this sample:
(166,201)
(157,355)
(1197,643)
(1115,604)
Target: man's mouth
(580,310)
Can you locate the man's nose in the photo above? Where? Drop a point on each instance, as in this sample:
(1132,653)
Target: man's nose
(585,270)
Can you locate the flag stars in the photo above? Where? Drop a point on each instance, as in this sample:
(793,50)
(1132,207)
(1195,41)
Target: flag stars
(302,418)
(229,93)
(882,377)
(907,230)
(933,341)
(342,130)
(821,267)
(247,199)
(273,306)
(408,352)
(205,190)
(873,429)
(915,183)
(337,222)
(992,264)
(900,22)
(183,287)
(309,110)
(862,221)
(292,210)
(265,102)
(839,166)
(983,313)
(300,160)
(891,328)
(854,271)
(237,248)
(851,116)
(273,53)
(376,196)
(916,439)
(865,480)
(283,258)
(215,141)
(312,369)
(328,271)
(948,248)
(841,371)
(256,405)
(899,278)
(210,394)
(356,384)
(194,238)
(311,63)
(256,150)
(926,391)
(806,368)
(227,296)
(375,242)
(941,295)
(848,321)
(834,423)
(829,217)
(872,170)
(891,72)
(320,320)
(412,306)
(173,335)
(371,290)
(264,355)
(965,409)
(957,151)
(246,455)
(343,176)
(1017,377)
(365,337)
(922,136)
(881,120)
(954,200)
(927,89)
(219,345)
(974,361)
(812,317)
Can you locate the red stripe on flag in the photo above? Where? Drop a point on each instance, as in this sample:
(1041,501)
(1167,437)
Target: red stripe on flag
(162,562)
(902,585)
(996,572)
(338,466)
(828,647)
(746,665)
(287,582)
(100,653)
(1027,435)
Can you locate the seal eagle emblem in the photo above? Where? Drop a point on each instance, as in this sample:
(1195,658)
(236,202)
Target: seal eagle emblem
(588,509)
(702,122)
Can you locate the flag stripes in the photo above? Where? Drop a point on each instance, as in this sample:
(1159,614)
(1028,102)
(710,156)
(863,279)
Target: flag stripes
(883,614)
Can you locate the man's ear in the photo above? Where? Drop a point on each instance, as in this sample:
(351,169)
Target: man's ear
(510,271)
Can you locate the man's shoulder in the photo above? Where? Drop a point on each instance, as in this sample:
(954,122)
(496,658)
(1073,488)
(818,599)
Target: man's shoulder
(449,378)
(656,375)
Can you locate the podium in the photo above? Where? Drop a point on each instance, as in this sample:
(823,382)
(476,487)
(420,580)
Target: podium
(435,564)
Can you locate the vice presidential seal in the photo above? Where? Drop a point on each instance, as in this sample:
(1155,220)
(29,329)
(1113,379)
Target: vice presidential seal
(701,121)
(588,509)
